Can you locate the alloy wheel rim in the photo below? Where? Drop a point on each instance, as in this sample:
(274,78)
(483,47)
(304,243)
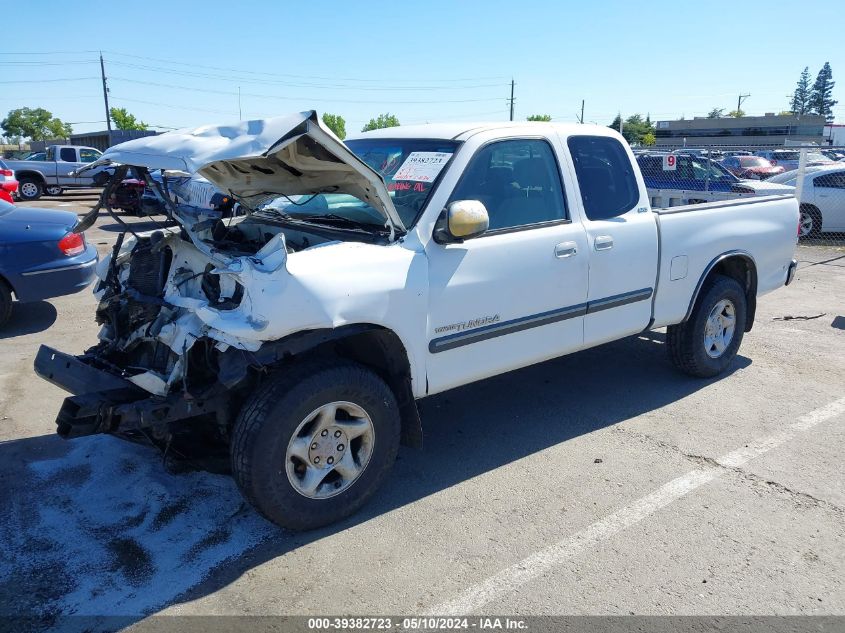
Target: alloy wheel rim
(330,450)
(29,189)
(719,328)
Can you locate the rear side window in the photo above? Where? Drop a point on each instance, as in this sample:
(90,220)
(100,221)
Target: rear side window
(68,154)
(834,181)
(605,176)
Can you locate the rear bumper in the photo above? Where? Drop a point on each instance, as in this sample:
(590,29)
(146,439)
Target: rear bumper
(57,278)
(104,402)
(790,274)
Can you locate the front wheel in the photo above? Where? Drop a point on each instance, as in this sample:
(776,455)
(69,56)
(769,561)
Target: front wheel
(312,445)
(706,344)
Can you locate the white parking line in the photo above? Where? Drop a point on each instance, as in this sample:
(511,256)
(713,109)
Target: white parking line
(526,570)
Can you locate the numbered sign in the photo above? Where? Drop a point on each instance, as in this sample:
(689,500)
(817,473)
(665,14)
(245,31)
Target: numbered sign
(670,162)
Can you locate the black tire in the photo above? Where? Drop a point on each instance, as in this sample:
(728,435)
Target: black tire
(271,416)
(5,303)
(53,191)
(812,217)
(686,341)
(30,189)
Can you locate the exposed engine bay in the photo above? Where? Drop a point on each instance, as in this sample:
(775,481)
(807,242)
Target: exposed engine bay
(153,290)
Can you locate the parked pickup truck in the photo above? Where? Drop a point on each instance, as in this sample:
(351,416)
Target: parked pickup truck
(54,173)
(295,341)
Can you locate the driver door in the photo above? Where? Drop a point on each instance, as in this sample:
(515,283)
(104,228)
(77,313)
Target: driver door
(516,295)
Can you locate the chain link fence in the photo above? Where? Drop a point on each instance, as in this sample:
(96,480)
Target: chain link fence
(815,175)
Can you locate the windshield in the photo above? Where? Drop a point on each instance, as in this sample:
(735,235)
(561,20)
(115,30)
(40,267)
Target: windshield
(753,161)
(410,168)
(704,169)
(421,162)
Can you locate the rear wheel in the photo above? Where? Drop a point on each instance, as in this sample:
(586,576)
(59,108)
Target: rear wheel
(810,222)
(706,344)
(30,189)
(53,190)
(313,444)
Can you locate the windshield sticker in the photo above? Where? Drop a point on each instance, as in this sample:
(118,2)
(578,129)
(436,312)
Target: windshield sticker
(422,166)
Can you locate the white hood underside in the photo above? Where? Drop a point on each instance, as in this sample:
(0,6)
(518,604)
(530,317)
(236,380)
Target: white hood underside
(254,160)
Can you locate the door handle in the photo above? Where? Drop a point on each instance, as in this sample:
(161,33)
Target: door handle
(603,243)
(566,249)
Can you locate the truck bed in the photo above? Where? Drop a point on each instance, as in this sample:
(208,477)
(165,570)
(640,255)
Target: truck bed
(692,238)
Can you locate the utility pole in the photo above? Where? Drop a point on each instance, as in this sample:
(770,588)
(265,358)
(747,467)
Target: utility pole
(739,101)
(511,99)
(581,120)
(105,95)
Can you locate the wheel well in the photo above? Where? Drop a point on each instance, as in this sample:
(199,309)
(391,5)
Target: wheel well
(371,345)
(742,268)
(29,174)
(5,283)
(811,209)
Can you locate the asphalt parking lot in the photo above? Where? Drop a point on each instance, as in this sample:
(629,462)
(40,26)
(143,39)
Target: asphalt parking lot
(600,483)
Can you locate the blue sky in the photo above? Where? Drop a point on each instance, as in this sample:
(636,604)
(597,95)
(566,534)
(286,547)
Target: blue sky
(182,64)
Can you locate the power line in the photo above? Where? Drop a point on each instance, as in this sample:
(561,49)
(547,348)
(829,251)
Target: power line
(41,81)
(296,98)
(253,72)
(184,73)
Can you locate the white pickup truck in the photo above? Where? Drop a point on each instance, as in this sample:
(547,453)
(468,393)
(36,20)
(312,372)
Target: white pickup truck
(293,343)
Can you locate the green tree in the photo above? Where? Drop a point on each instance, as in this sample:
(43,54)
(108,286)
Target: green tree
(649,139)
(36,124)
(635,129)
(382,121)
(716,113)
(125,121)
(737,114)
(336,124)
(800,103)
(539,117)
(821,96)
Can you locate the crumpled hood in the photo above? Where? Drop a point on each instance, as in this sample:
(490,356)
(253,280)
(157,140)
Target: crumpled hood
(253,160)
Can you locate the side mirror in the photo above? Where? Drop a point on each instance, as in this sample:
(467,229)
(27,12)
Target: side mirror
(461,220)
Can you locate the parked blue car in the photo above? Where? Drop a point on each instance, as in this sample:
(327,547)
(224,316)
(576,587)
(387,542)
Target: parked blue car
(41,256)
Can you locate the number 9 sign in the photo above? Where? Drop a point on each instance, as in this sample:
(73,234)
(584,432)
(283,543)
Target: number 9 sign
(670,162)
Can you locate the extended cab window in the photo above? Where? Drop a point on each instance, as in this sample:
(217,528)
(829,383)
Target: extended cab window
(517,181)
(605,176)
(88,155)
(68,154)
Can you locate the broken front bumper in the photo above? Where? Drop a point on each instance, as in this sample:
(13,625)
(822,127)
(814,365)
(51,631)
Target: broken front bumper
(104,402)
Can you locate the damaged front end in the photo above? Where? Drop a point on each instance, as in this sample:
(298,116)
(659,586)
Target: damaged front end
(182,342)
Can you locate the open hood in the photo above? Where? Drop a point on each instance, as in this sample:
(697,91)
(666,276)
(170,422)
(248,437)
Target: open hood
(253,160)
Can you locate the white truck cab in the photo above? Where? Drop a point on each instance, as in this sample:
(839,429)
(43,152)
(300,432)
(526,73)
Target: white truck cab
(295,341)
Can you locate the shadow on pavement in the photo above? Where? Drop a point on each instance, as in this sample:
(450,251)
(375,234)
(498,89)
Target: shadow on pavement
(29,318)
(96,527)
